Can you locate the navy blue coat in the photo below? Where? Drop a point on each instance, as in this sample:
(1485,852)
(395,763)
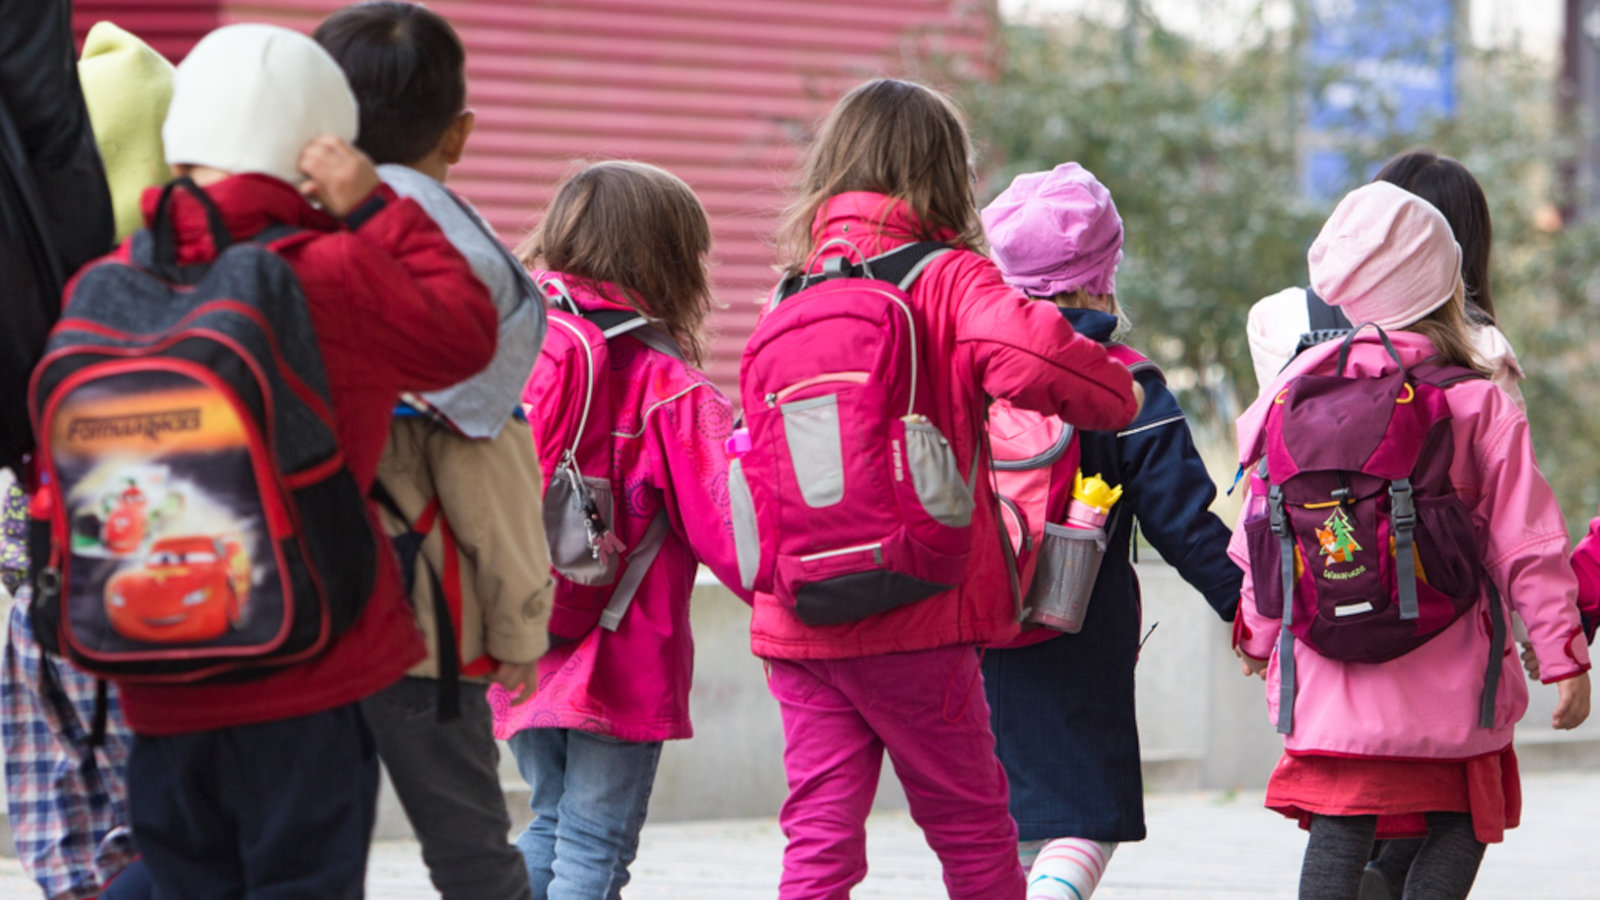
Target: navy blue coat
(1063,710)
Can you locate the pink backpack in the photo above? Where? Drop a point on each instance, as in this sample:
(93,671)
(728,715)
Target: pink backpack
(1035,457)
(849,501)
(570,410)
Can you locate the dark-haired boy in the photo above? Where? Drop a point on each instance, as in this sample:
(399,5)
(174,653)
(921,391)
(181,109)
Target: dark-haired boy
(456,452)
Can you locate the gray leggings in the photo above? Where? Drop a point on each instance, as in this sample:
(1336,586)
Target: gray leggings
(1339,847)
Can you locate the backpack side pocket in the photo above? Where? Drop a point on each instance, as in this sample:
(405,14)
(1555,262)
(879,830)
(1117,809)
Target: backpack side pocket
(1265,556)
(936,477)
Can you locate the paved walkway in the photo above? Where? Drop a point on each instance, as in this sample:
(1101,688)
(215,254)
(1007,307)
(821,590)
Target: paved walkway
(1202,846)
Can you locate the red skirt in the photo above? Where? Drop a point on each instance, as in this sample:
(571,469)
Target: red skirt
(1400,792)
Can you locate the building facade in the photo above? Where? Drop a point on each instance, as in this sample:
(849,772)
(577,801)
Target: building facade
(722,93)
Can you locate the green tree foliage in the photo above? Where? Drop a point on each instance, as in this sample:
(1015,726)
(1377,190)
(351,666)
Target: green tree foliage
(1198,145)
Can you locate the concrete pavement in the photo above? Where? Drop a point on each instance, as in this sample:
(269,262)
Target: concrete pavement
(1205,845)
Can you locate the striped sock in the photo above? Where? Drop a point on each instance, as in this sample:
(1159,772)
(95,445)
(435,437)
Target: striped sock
(1068,869)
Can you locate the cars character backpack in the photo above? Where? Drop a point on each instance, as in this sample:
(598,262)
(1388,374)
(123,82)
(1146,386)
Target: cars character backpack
(202,521)
(1358,541)
(568,402)
(849,501)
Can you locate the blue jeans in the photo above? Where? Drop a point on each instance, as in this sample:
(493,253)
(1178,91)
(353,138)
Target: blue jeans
(590,794)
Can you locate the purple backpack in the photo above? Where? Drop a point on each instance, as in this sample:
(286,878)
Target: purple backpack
(1362,548)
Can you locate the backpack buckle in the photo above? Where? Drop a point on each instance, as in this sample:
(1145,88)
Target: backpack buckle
(1402,508)
(1280,517)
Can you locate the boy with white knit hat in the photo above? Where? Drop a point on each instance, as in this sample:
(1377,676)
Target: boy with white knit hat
(268,787)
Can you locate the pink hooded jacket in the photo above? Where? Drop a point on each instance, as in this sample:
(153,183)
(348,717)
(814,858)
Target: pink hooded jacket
(985,339)
(1424,705)
(669,429)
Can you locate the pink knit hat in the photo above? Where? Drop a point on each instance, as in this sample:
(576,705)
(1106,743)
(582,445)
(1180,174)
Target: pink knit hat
(1056,231)
(1385,256)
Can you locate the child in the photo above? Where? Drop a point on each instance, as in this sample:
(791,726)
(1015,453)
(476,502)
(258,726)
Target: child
(1395,748)
(67,800)
(625,235)
(269,786)
(1276,322)
(1063,709)
(454,451)
(891,166)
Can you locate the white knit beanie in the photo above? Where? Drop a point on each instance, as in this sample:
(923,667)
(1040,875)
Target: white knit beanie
(248,98)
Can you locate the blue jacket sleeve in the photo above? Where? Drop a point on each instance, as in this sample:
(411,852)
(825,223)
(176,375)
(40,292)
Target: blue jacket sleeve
(1171,493)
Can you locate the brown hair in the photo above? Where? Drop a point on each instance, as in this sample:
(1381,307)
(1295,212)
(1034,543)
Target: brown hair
(1447,328)
(640,228)
(891,137)
(1080,298)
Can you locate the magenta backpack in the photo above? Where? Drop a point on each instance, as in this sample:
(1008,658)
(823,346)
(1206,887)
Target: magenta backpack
(849,502)
(1362,547)
(570,411)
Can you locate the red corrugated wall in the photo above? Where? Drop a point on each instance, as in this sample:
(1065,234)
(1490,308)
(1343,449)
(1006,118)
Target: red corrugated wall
(721,92)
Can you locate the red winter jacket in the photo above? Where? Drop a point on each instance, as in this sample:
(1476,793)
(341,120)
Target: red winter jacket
(395,308)
(986,340)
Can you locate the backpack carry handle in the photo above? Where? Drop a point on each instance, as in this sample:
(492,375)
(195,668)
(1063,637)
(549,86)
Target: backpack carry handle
(164,258)
(563,297)
(838,266)
(1344,346)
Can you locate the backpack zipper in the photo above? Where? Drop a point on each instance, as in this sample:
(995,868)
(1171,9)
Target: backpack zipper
(853,377)
(877,549)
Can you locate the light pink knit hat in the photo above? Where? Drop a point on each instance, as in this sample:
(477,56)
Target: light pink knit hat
(1056,231)
(1385,256)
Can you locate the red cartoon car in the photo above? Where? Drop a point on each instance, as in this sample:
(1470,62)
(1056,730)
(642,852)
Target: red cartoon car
(190,589)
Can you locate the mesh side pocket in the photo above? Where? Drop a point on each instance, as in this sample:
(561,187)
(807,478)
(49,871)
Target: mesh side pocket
(936,477)
(811,430)
(746,534)
(1069,563)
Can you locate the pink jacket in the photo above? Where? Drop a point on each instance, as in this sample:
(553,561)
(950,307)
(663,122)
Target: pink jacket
(987,340)
(1586,565)
(669,429)
(1424,705)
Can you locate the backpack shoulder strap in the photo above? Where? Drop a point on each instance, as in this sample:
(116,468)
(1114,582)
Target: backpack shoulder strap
(1441,375)
(1326,323)
(614,323)
(899,267)
(639,562)
(1322,316)
(1135,361)
(408,547)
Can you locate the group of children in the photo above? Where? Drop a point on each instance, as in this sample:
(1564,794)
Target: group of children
(267,787)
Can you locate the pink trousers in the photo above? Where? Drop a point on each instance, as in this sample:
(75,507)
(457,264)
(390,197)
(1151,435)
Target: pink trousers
(927,709)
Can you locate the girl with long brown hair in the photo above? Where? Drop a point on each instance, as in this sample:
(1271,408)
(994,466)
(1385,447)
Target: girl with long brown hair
(624,237)
(892,166)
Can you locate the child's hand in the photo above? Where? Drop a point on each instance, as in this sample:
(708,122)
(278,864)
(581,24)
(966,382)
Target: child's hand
(521,680)
(1573,705)
(1249,665)
(1530,662)
(338,176)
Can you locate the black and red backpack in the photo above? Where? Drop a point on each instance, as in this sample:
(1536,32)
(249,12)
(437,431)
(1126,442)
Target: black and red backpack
(202,521)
